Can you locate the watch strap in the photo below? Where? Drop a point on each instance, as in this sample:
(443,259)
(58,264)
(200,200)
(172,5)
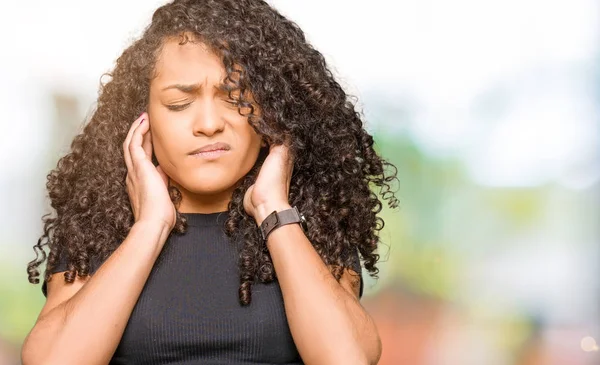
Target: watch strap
(278,219)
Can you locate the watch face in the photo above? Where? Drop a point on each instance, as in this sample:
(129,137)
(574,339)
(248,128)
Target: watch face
(303,223)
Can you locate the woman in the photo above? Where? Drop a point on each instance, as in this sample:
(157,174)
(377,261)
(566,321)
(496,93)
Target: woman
(165,246)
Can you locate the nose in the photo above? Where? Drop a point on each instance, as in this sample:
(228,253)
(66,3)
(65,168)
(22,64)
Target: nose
(208,121)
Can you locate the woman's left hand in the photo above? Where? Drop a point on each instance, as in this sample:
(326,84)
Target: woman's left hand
(271,189)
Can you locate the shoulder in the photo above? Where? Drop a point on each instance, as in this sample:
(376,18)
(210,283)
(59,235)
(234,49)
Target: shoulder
(61,266)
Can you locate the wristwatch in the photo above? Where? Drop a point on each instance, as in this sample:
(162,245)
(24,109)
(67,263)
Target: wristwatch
(278,219)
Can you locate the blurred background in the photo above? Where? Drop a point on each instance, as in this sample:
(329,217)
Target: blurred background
(489,109)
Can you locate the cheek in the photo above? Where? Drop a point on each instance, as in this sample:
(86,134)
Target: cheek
(251,148)
(241,161)
(166,132)
(207,176)
(247,159)
(160,147)
(165,150)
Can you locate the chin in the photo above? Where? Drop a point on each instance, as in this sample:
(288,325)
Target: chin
(208,183)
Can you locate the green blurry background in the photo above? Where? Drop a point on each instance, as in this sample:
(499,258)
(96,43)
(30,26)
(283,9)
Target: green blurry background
(488,109)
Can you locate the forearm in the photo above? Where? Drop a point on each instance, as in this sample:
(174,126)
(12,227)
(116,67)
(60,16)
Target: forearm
(88,327)
(328,323)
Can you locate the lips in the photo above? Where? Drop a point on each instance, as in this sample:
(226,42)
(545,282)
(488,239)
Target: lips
(212,147)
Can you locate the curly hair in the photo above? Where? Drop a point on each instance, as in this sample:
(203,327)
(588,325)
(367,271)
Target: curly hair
(265,55)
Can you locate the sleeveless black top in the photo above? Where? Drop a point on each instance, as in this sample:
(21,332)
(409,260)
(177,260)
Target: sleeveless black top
(189,313)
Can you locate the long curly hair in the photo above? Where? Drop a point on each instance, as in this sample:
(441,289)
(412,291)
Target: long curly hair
(265,55)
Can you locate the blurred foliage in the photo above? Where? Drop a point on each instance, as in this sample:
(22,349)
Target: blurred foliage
(20,302)
(413,245)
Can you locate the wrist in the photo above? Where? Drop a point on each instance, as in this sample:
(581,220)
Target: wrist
(155,227)
(262,211)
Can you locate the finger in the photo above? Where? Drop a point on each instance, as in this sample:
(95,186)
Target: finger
(126,153)
(247,203)
(132,129)
(147,144)
(287,161)
(135,145)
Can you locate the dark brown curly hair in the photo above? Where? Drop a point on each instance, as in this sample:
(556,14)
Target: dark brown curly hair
(265,55)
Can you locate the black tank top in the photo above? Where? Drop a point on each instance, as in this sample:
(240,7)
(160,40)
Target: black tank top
(189,312)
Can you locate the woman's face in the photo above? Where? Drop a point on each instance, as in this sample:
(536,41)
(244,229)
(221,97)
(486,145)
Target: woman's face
(188,109)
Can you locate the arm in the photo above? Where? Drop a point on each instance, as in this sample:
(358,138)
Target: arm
(326,319)
(327,322)
(82,322)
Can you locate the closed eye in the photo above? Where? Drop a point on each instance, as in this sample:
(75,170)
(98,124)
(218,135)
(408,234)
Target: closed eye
(177,107)
(232,102)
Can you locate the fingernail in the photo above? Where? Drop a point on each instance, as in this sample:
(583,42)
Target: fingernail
(141,121)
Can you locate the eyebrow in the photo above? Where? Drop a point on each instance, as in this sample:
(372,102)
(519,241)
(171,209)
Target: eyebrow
(193,88)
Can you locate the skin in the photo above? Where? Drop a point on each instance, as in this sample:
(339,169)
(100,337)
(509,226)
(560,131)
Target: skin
(75,327)
(208,117)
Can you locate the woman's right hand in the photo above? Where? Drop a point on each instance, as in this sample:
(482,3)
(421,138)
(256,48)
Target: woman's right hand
(147,185)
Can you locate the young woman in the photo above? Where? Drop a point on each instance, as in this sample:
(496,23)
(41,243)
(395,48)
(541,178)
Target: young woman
(224,225)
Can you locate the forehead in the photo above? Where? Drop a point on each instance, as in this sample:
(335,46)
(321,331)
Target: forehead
(192,62)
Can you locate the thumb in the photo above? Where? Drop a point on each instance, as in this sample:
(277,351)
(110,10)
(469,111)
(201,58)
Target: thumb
(248,201)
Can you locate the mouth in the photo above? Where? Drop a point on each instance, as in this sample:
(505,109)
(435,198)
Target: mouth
(210,154)
(211,151)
